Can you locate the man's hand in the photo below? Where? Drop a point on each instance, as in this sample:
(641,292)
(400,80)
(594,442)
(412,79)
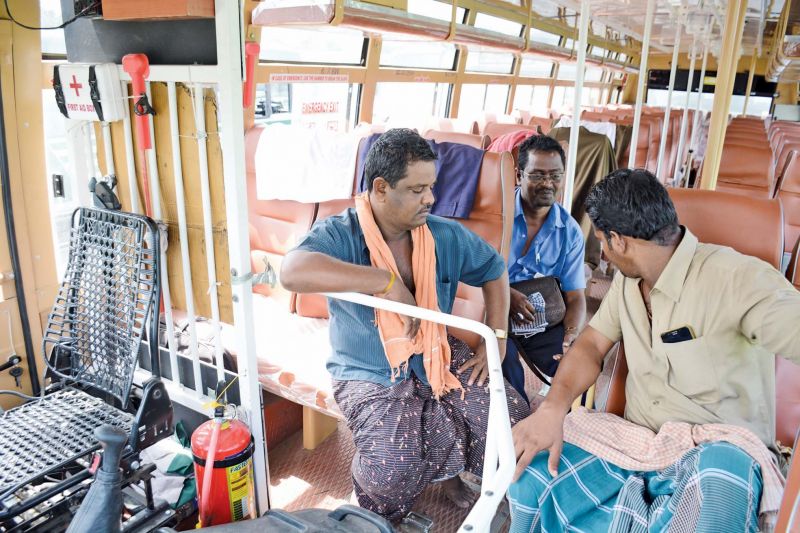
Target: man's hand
(569,340)
(400,293)
(520,310)
(480,365)
(543,430)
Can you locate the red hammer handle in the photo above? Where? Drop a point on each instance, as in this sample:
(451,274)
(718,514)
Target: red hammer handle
(138,68)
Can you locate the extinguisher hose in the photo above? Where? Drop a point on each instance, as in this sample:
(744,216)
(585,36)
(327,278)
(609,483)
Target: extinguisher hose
(208,472)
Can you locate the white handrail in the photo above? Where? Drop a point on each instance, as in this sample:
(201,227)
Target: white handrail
(500,459)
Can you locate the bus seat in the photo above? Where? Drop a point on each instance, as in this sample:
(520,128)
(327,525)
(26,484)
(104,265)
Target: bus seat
(746,169)
(789,195)
(491,218)
(793,270)
(476,141)
(789,512)
(541,122)
(494,129)
(275,225)
(751,226)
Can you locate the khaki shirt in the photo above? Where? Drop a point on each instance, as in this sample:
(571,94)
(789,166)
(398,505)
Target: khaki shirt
(742,312)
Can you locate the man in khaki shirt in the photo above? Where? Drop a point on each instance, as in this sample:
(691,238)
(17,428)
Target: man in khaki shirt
(701,324)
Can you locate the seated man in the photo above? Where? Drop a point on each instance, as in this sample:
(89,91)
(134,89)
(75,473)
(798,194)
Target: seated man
(701,324)
(413,421)
(545,241)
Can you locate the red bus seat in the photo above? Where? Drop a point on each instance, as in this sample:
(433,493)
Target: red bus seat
(470,139)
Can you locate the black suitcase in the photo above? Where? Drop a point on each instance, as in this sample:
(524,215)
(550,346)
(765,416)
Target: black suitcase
(345,519)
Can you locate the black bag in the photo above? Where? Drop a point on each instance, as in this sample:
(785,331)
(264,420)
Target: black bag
(538,350)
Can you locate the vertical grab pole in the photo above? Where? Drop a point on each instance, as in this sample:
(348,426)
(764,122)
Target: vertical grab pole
(583,39)
(208,225)
(749,83)
(177,168)
(668,108)
(698,105)
(679,161)
(155,202)
(637,114)
(230,60)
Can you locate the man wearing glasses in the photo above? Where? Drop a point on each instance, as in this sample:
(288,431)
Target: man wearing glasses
(545,241)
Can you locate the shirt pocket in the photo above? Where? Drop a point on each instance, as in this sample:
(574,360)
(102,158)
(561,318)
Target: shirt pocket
(691,370)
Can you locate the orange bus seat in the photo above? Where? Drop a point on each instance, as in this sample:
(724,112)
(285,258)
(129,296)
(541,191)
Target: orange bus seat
(789,195)
(476,141)
(275,225)
(494,130)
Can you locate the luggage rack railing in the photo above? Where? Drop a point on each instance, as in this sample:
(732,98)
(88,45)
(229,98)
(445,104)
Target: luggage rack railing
(499,460)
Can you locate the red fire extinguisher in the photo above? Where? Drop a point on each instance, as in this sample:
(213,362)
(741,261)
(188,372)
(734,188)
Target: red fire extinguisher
(227,490)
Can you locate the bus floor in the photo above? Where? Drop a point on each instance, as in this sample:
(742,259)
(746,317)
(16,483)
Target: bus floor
(320,478)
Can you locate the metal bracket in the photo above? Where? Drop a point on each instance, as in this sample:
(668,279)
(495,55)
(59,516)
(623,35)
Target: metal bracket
(266,277)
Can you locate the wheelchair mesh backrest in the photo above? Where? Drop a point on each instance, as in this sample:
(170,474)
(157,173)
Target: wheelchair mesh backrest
(109,295)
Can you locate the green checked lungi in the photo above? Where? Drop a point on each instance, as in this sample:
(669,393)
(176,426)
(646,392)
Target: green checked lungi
(715,487)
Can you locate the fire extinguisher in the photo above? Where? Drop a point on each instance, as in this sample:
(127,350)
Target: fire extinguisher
(226,490)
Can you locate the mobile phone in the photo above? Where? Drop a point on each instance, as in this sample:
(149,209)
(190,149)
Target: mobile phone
(685,333)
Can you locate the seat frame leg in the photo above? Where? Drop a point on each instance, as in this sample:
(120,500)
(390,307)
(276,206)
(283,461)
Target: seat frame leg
(316,427)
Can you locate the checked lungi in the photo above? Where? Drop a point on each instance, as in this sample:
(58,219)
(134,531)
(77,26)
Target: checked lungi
(405,439)
(614,475)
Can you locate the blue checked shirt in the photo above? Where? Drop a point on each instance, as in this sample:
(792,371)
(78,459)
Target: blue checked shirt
(556,250)
(357,350)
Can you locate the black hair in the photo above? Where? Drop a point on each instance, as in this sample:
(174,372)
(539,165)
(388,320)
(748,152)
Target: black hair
(391,154)
(632,202)
(539,143)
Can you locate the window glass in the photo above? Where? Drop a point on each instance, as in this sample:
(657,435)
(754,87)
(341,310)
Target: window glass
(599,52)
(539,102)
(319,45)
(476,98)
(488,22)
(567,71)
(484,61)
(593,74)
(52,40)
(496,98)
(314,105)
(399,52)
(409,104)
(558,96)
(523,96)
(539,36)
(569,44)
(536,68)
(435,9)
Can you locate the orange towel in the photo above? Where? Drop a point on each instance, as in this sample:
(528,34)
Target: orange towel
(431,339)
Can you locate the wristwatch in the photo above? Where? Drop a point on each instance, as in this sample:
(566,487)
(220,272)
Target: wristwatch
(501,333)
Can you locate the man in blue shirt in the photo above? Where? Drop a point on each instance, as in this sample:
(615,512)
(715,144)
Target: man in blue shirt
(404,437)
(545,241)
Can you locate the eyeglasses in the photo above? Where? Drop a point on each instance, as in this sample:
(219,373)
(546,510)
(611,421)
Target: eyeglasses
(554,177)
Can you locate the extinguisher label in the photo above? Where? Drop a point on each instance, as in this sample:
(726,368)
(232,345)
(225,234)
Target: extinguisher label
(240,483)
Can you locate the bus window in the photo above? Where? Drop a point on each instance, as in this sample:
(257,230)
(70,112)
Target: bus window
(52,40)
(536,68)
(539,36)
(313,105)
(409,104)
(435,9)
(399,51)
(488,22)
(567,71)
(299,45)
(532,98)
(593,74)
(484,61)
(476,98)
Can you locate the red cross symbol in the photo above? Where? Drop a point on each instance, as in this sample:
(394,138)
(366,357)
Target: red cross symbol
(75,85)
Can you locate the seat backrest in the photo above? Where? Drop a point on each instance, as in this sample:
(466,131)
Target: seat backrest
(275,225)
(751,226)
(789,512)
(106,301)
(789,195)
(475,141)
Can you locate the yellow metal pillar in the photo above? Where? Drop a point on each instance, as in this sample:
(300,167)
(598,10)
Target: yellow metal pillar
(371,79)
(749,82)
(726,72)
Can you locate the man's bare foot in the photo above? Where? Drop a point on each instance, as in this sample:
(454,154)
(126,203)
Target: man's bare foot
(458,493)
